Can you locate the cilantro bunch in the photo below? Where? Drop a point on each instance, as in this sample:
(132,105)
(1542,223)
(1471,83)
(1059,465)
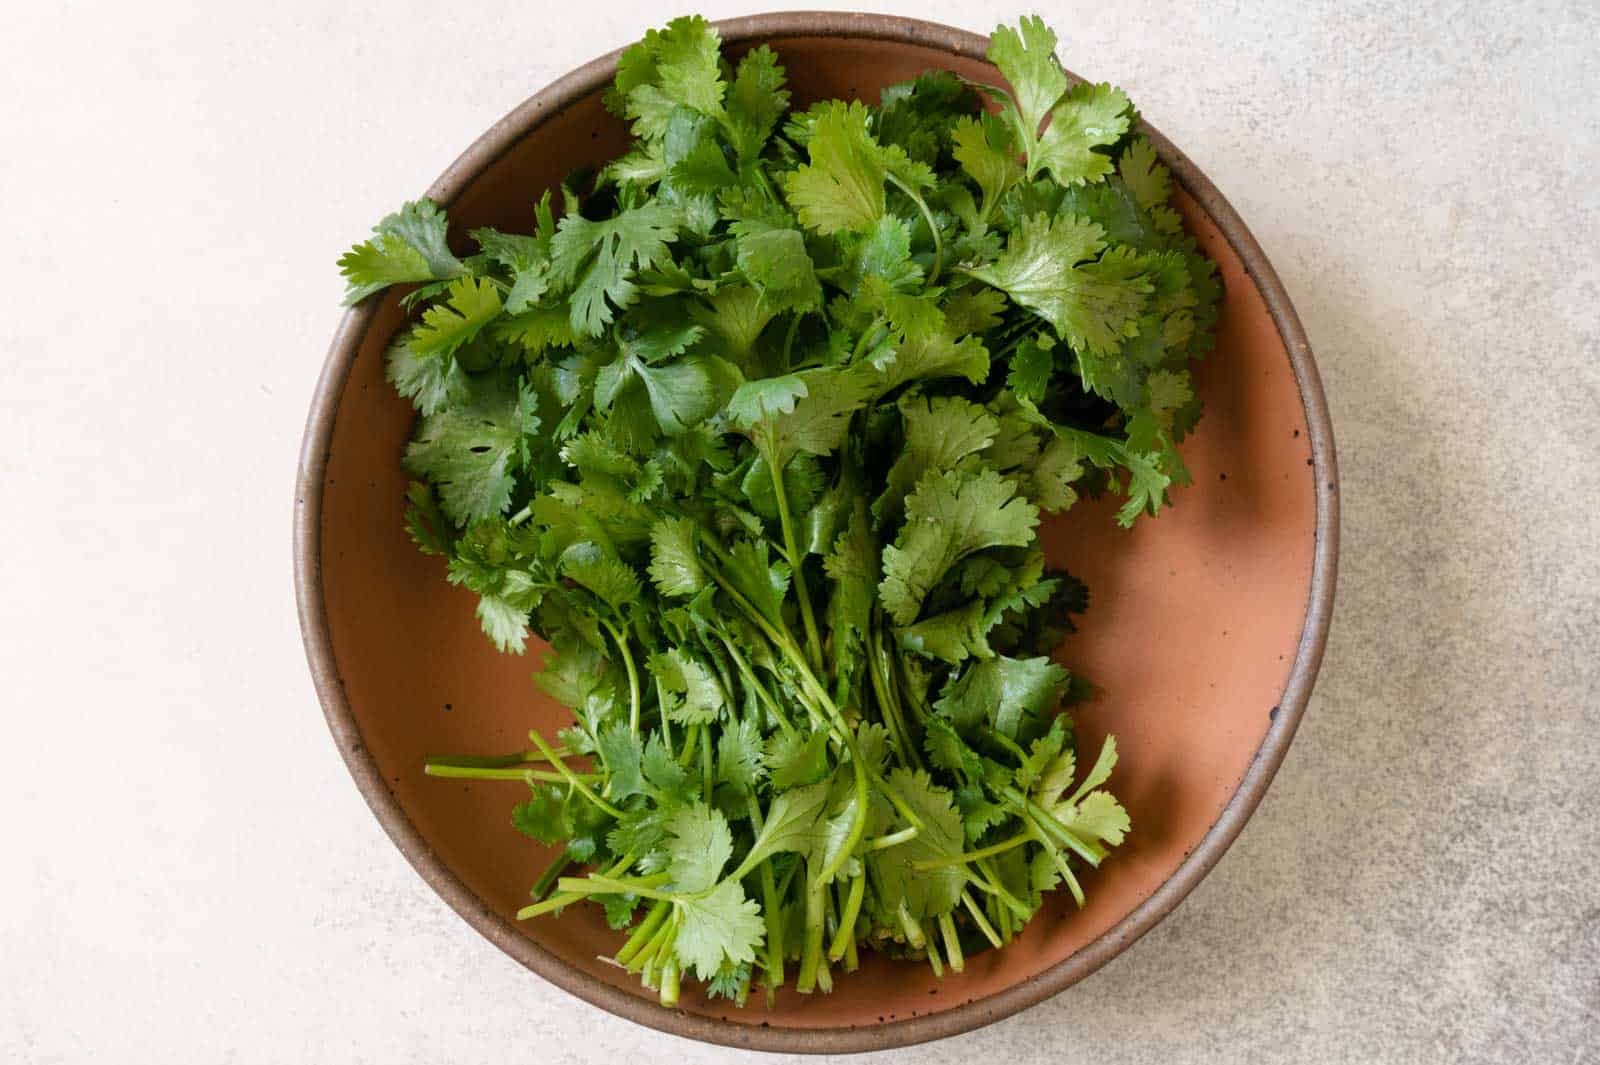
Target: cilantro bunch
(757,438)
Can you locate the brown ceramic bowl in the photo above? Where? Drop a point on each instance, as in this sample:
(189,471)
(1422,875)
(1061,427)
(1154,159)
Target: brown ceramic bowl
(1205,629)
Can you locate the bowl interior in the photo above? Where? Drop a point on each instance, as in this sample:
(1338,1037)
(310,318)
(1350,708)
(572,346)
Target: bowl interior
(1193,625)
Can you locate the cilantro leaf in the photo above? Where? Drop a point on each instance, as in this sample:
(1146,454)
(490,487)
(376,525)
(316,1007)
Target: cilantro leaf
(408,245)
(622,755)
(951,637)
(982,146)
(611,580)
(469,305)
(1026,56)
(544,816)
(761,581)
(790,824)
(1145,177)
(939,433)
(926,893)
(739,756)
(949,516)
(795,760)
(756,100)
(852,566)
(1050,267)
(699,844)
(430,382)
(806,413)
(722,928)
(1001,693)
(667,779)
(679,673)
(775,260)
(1088,118)
(842,186)
(673,67)
(597,259)
(674,559)
(472,450)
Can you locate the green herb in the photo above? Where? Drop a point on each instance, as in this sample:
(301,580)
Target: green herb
(757,440)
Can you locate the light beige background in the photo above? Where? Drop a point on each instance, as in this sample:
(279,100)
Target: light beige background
(188,873)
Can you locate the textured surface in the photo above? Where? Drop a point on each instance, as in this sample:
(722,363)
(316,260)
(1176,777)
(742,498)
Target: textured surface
(190,874)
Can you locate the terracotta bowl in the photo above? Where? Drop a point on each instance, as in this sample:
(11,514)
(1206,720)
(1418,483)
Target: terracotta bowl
(1204,633)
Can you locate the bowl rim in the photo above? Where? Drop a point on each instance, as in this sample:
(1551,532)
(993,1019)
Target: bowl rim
(317,636)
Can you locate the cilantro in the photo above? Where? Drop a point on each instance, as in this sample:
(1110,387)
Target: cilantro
(471,451)
(1003,693)
(698,845)
(842,186)
(949,516)
(596,260)
(1055,267)
(409,245)
(756,439)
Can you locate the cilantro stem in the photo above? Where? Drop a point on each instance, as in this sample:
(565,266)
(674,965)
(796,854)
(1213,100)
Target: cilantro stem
(643,931)
(669,981)
(894,839)
(566,898)
(552,872)
(912,930)
(751,681)
(976,913)
(796,566)
(599,884)
(931,941)
(647,954)
(897,802)
(572,778)
(973,856)
(811,956)
(785,645)
(691,739)
(846,933)
(788,340)
(467,772)
(1048,821)
(707,776)
(489,761)
(788,879)
(1056,857)
(766,186)
(933,227)
(889,702)
(952,943)
(666,725)
(861,342)
(633,675)
(769,911)
(982,876)
(1007,742)
(817,889)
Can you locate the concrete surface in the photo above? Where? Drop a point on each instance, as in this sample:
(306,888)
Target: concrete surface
(189,874)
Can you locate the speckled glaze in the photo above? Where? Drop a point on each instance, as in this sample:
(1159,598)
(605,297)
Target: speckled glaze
(1204,634)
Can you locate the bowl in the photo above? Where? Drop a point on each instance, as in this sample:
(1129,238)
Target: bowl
(1204,633)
